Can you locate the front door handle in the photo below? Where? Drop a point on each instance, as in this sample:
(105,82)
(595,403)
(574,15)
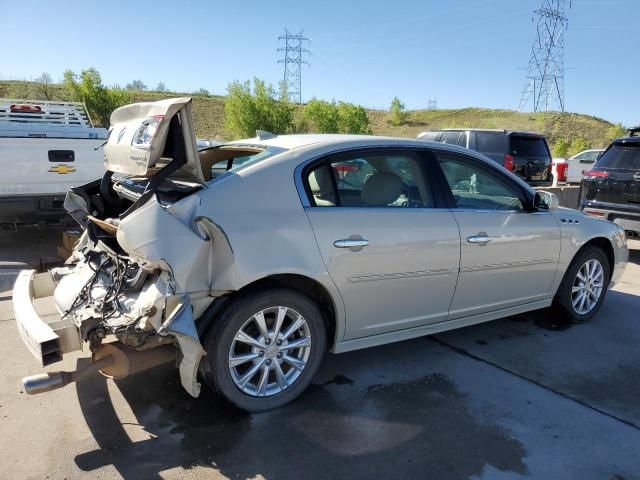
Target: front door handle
(481,239)
(351,243)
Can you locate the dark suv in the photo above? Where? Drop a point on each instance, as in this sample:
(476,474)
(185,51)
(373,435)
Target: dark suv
(524,153)
(611,189)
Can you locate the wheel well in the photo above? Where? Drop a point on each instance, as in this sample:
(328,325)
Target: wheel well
(604,245)
(304,285)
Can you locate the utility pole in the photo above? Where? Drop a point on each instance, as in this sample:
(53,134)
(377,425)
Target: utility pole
(294,58)
(544,84)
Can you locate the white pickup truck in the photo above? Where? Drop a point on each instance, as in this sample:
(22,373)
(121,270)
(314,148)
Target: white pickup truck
(45,148)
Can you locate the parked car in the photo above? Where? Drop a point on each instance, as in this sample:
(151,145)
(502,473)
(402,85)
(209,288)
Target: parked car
(581,162)
(45,149)
(316,243)
(524,153)
(611,189)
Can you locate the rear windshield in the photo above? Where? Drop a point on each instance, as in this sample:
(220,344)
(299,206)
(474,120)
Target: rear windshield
(620,157)
(529,146)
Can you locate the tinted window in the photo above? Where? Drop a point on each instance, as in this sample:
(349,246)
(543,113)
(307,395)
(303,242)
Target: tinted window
(475,186)
(528,146)
(620,157)
(429,136)
(489,142)
(370,181)
(450,137)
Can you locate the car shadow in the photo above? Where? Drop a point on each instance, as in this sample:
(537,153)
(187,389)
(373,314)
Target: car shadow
(338,428)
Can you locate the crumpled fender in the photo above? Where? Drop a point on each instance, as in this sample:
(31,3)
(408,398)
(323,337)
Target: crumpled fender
(181,325)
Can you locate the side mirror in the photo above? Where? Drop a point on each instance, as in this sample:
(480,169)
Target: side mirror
(543,200)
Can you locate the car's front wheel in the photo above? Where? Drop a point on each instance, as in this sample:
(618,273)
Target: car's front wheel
(584,285)
(265,348)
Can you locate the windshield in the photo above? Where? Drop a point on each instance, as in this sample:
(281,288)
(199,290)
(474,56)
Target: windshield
(617,156)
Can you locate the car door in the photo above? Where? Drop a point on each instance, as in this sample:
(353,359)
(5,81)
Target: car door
(393,256)
(508,254)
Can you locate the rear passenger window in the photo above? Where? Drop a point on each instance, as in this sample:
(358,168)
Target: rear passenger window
(490,142)
(429,136)
(370,181)
(450,138)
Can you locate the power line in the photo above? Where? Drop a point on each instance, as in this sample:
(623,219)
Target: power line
(294,58)
(544,84)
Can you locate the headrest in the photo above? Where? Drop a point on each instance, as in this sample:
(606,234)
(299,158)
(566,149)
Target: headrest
(382,189)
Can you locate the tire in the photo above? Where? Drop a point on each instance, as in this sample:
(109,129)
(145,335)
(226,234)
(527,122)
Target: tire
(281,383)
(567,302)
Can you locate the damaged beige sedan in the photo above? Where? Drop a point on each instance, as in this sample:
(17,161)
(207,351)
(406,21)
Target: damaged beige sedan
(245,262)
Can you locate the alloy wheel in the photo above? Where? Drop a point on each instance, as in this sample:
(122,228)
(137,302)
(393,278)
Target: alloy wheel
(270,351)
(587,286)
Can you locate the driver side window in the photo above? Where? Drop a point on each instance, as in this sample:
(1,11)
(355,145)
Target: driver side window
(475,187)
(370,181)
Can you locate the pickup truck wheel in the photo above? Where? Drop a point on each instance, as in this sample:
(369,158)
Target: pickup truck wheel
(264,349)
(584,286)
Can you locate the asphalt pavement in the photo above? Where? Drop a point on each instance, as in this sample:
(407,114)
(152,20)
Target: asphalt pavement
(523,397)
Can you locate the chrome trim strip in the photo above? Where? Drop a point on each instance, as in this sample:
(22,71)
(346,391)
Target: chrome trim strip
(497,266)
(394,276)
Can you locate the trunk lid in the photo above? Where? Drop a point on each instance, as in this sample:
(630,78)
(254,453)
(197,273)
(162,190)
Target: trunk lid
(147,137)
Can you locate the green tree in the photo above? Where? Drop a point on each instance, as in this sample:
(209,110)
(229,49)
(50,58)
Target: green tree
(353,119)
(161,87)
(578,144)
(248,109)
(322,116)
(397,113)
(616,131)
(332,117)
(99,99)
(561,148)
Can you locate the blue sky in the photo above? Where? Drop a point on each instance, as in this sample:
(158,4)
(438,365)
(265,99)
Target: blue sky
(461,52)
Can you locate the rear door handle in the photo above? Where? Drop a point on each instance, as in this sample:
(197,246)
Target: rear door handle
(480,239)
(351,243)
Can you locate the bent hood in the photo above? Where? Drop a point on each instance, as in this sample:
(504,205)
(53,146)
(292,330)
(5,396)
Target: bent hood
(137,142)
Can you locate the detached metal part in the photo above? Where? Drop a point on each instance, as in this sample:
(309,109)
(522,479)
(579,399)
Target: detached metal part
(113,360)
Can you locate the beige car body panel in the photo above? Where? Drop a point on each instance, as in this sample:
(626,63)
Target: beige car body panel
(418,276)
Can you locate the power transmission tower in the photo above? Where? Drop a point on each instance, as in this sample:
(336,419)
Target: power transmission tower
(294,58)
(544,82)
(432,104)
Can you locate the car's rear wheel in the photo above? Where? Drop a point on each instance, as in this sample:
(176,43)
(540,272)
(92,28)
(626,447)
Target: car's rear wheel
(584,285)
(265,348)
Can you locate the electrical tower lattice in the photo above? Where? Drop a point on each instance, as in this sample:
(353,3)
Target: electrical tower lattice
(544,84)
(293,60)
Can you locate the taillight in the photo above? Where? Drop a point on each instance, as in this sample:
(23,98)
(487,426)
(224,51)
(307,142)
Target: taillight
(588,174)
(146,131)
(508,162)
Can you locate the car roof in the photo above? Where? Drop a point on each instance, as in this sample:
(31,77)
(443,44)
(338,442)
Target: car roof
(293,141)
(493,130)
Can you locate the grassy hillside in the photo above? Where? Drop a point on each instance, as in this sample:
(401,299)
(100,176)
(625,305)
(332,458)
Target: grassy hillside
(209,117)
